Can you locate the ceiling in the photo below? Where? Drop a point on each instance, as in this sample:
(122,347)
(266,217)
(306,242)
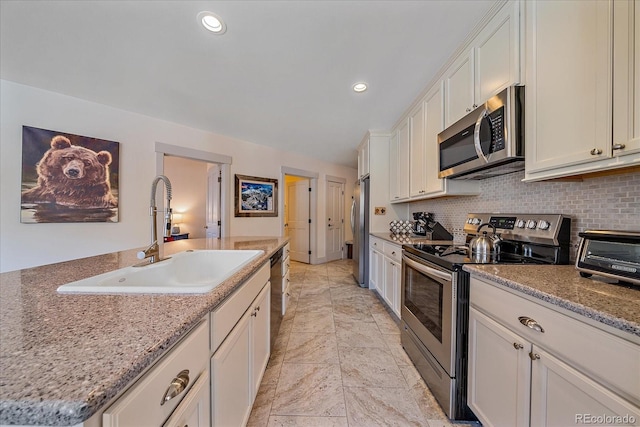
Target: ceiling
(280,76)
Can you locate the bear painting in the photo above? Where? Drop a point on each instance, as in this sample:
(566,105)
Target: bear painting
(72,181)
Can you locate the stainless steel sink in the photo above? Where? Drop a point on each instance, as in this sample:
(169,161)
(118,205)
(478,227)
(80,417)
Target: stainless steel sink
(189,272)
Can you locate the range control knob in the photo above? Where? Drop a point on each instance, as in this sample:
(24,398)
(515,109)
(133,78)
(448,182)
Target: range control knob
(544,225)
(531,224)
(469,220)
(475,221)
(521,223)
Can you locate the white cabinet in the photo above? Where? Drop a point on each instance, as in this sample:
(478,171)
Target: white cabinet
(385,267)
(194,410)
(363,158)
(376,265)
(426,122)
(417,152)
(240,346)
(153,398)
(573,110)
(490,64)
(399,164)
(286,281)
(530,364)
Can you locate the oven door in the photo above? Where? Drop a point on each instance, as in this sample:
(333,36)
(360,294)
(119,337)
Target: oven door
(429,308)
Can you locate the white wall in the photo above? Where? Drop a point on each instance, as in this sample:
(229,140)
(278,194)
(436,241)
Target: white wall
(28,245)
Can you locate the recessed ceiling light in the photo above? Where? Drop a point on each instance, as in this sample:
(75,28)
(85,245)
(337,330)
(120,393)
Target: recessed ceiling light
(360,87)
(212,22)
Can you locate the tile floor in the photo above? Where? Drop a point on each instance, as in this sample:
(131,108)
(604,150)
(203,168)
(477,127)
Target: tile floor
(338,360)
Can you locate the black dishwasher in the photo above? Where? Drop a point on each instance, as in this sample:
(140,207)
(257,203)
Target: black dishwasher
(276,294)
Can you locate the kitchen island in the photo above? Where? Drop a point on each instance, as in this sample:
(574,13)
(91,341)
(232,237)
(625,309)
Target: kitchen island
(63,358)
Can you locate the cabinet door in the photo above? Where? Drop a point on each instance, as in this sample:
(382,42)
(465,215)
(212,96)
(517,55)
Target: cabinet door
(231,396)
(375,269)
(568,94)
(458,82)
(194,410)
(392,284)
(562,396)
(434,124)
(499,373)
(393,168)
(417,157)
(402,168)
(497,53)
(626,78)
(260,338)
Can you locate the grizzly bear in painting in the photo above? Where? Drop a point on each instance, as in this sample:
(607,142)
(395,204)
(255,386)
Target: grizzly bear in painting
(74,176)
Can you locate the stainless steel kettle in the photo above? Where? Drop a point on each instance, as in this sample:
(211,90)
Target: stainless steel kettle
(484,244)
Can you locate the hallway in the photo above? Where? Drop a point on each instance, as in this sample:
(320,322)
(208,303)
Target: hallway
(338,360)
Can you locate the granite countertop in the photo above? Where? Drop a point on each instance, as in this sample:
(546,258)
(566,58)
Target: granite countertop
(63,357)
(408,239)
(561,285)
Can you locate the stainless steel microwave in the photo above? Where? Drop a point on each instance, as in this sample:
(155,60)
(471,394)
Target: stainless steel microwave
(489,141)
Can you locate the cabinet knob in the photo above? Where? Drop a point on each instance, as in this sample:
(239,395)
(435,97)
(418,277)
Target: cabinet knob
(534,356)
(393,253)
(468,110)
(518,346)
(618,146)
(596,152)
(475,106)
(177,386)
(531,323)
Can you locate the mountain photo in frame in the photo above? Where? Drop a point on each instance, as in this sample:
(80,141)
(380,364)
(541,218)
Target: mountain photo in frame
(255,196)
(68,177)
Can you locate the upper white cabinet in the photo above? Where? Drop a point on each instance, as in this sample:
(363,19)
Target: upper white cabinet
(490,64)
(363,158)
(426,122)
(399,164)
(582,97)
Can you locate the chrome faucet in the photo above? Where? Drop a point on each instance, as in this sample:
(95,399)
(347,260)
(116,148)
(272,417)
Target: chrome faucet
(153,251)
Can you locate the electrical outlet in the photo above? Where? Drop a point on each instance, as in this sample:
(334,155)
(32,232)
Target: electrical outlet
(379,210)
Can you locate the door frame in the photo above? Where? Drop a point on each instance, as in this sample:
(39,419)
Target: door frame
(223,160)
(313,208)
(343,182)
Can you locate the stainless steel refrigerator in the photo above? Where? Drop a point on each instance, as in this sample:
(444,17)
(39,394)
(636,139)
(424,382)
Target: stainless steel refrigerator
(360,229)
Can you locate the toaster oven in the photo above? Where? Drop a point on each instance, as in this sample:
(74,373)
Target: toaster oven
(612,254)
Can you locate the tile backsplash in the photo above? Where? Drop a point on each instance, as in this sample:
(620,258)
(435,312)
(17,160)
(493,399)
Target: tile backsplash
(607,202)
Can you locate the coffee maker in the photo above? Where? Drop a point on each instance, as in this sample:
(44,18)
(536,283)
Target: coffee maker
(425,225)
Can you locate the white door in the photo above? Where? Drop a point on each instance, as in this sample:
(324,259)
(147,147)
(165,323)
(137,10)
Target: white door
(213,201)
(298,219)
(335,220)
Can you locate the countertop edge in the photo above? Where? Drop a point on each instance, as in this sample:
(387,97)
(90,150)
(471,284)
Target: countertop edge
(620,324)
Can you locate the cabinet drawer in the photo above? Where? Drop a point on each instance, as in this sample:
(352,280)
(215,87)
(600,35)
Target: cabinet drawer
(286,264)
(285,282)
(140,405)
(600,354)
(225,316)
(393,251)
(376,243)
(285,251)
(286,297)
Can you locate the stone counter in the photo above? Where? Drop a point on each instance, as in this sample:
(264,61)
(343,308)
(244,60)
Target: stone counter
(408,239)
(561,285)
(63,357)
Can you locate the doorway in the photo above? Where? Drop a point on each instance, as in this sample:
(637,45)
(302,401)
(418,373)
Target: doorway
(335,218)
(206,213)
(299,207)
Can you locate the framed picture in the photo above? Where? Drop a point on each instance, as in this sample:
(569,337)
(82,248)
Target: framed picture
(256,196)
(68,177)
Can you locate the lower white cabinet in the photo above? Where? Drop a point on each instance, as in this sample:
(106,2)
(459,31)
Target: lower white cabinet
(155,396)
(385,266)
(530,365)
(238,364)
(195,408)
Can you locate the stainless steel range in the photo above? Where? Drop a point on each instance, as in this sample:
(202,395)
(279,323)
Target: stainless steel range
(435,292)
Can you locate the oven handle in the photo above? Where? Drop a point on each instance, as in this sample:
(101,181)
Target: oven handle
(426,270)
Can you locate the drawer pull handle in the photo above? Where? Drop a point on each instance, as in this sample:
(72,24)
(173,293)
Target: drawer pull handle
(177,386)
(534,356)
(530,323)
(596,152)
(518,346)
(618,146)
